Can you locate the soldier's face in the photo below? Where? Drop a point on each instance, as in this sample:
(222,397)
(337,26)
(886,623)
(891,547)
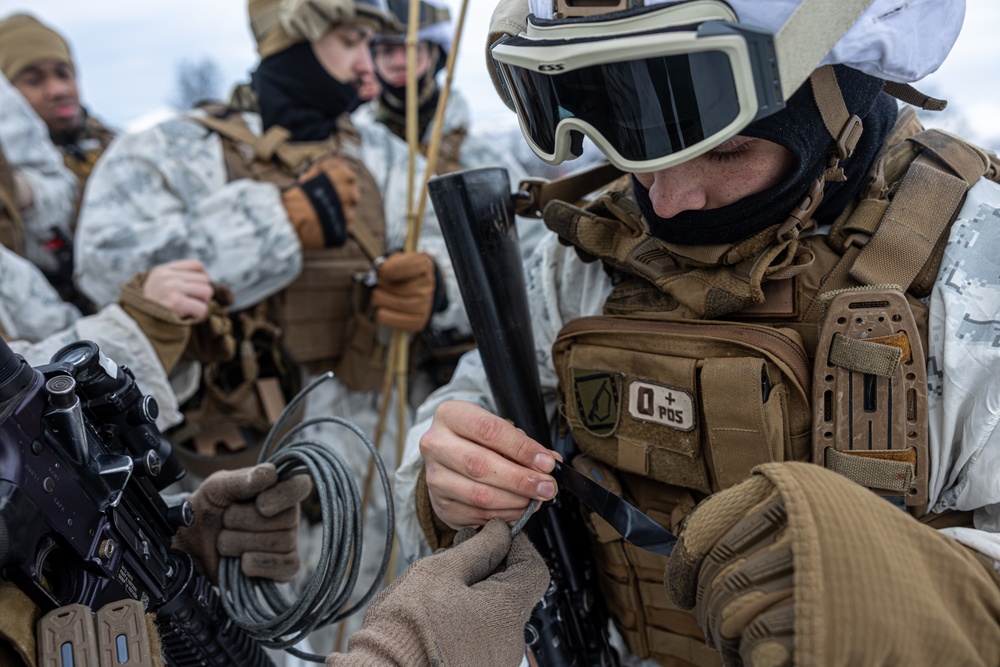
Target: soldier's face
(390,60)
(741,167)
(50,88)
(345,53)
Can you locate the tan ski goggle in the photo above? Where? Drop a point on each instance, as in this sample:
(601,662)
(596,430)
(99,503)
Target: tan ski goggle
(651,87)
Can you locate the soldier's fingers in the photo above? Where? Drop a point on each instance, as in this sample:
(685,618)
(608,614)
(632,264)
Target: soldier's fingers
(479,464)
(224,487)
(461,502)
(185,307)
(280,567)
(284,495)
(245,516)
(473,423)
(238,542)
(200,290)
(185,265)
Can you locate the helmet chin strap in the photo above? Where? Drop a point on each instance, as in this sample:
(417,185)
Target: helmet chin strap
(845,129)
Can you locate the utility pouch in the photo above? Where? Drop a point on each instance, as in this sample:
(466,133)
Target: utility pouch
(362,364)
(696,404)
(316,310)
(239,400)
(870,394)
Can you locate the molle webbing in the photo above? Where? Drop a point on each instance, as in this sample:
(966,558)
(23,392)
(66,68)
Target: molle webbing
(892,242)
(706,281)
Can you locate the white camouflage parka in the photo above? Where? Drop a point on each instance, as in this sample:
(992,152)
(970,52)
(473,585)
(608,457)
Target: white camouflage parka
(25,141)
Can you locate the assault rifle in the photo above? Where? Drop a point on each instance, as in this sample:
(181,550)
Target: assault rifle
(569,628)
(81,516)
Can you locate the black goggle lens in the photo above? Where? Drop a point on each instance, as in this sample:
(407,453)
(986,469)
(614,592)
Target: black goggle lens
(646,109)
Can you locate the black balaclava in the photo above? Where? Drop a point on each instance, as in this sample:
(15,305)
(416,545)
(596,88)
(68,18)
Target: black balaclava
(799,128)
(392,99)
(296,93)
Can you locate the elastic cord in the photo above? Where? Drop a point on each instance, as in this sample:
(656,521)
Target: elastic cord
(258,605)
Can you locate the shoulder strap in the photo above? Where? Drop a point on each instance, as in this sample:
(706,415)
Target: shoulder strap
(897,241)
(904,92)
(929,196)
(274,144)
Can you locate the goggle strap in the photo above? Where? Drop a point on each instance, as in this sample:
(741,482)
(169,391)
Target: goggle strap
(838,120)
(808,36)
(829,99)
(904,92)
(571,188)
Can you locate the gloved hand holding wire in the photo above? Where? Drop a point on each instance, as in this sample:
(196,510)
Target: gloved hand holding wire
(246,514)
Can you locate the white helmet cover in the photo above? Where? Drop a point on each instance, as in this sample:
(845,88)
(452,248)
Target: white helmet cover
(897,40)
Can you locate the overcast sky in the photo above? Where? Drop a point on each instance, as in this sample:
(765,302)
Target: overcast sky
(127,54)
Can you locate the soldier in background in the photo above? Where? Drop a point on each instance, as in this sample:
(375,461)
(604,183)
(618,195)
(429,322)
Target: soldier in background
(460,148)
(288,208)
(40,192)
(37,60)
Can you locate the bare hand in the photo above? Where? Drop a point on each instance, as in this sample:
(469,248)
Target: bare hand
(182,286)
(479,466)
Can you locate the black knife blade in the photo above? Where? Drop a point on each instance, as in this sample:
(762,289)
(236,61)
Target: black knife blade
(631,524)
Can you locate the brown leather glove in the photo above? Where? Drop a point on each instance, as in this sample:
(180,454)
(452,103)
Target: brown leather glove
(246,514)
(168,333)
(798,565)
(212,339)
(462,606)
(404,296)
(322,203)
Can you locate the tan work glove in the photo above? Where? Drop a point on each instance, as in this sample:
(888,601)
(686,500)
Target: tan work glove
(463,606)
(246,514)
(798,565)
(404,296)
(212,339)
(168,333)
(322,203)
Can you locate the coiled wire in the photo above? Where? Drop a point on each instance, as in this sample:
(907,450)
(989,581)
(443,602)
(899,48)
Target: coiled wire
(257,604)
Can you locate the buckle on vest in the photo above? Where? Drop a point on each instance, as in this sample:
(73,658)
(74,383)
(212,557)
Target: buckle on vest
(870,395)
(803,212)
(848,138)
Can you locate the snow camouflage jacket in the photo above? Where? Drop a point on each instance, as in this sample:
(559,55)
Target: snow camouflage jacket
(29,151)
(37,323)
(163,194)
